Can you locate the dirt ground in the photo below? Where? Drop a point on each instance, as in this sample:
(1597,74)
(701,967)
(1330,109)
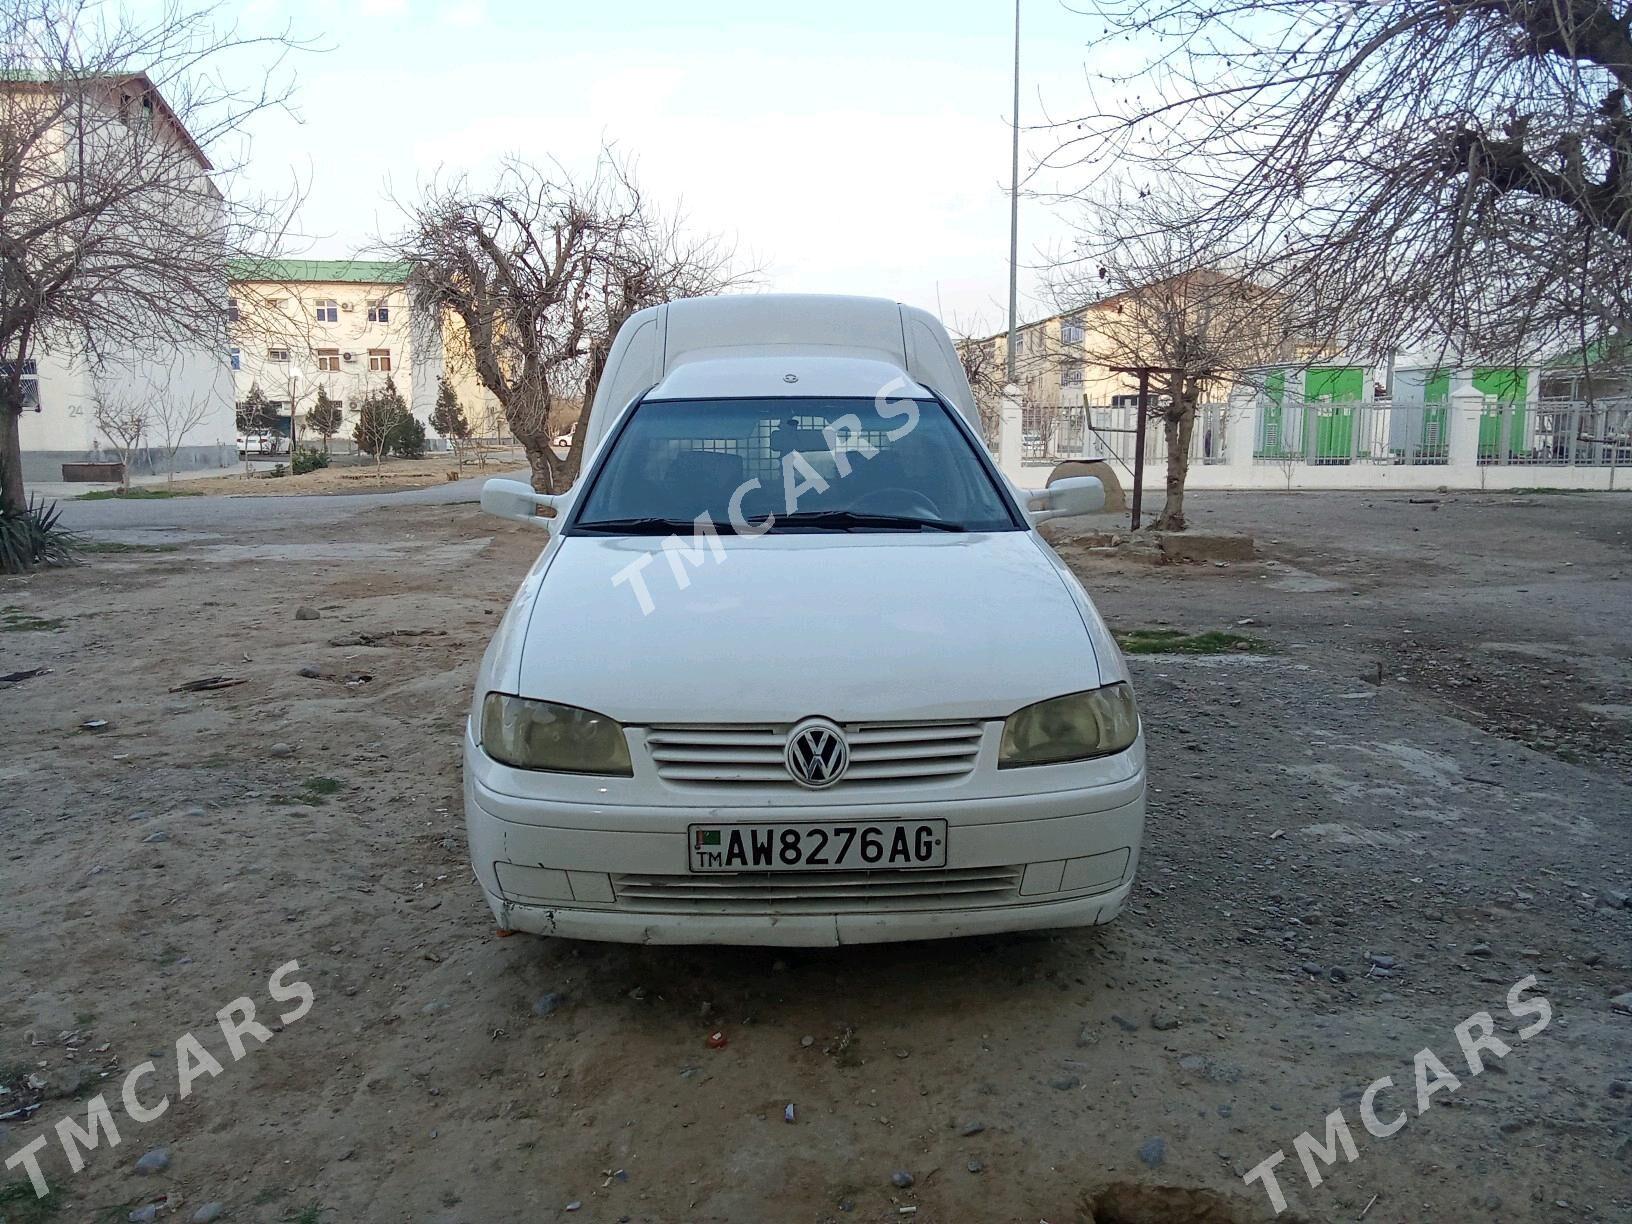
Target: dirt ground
(1355,842)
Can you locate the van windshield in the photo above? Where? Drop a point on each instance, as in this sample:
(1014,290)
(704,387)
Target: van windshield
(828,465)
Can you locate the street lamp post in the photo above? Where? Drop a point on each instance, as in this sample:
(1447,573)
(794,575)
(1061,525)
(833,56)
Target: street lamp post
(1014,196)
(294,403)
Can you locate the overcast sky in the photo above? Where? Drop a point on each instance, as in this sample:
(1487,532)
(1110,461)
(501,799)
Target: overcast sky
(856,146)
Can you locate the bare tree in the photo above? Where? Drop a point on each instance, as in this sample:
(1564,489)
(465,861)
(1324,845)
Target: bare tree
(1151,293)
(173,417)
(1456,173)
(984,370)
(114,232)
(123,419)
(542,270)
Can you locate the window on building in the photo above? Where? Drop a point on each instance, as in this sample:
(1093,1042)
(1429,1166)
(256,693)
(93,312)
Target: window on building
(232,310)
(277,354)
(30,382)
(1071,374)
(380,311)
(380,360)
(1071,330)
(328,310)
(328,360)
(237,359)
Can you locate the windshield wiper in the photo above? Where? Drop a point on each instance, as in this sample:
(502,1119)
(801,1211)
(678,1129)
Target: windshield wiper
(638,526)
(852,520)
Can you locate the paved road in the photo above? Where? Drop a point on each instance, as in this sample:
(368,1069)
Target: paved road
(112,518)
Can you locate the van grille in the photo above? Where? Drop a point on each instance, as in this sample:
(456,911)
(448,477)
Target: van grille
(826,892)
(880,754)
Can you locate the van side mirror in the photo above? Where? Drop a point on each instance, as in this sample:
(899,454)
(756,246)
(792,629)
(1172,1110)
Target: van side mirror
(1065,498)
(516,500)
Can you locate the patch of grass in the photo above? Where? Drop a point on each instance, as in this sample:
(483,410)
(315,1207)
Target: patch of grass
(307,1215)
(18,1204)
(140,493)
(15,620)
(1176,641)
(113,546)
(322,787)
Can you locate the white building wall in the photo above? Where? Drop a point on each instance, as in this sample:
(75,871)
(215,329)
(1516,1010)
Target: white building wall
(64,430)
(280,315)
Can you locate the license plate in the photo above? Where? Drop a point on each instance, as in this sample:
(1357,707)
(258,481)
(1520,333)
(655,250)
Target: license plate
(844,846)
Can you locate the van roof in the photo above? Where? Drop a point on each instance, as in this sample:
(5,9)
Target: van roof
(777,377)
(857,343)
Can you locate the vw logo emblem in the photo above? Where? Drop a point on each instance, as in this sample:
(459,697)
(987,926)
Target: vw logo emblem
(816,754)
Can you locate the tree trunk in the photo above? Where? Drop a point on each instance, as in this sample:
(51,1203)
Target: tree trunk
(12,496)
(533,428)
(1180,426)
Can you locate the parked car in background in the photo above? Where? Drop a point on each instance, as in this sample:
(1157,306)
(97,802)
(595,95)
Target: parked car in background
(832,685)
(263,442)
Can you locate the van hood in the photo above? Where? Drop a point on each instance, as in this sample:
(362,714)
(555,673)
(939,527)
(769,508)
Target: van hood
(854,627)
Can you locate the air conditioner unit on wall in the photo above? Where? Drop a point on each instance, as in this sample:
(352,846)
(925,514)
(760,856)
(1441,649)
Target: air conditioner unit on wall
(348,305)
(348,356)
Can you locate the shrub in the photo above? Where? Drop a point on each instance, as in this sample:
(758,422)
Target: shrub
(409,437)
(305,460)
(34,537)
(372,433)
(448,418)
(324,418)
(385,426)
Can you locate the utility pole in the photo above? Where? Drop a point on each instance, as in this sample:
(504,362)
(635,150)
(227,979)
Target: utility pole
(1143,373)
(1014,195)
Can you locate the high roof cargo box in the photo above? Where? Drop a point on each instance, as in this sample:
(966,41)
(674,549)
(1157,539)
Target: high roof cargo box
(659,339)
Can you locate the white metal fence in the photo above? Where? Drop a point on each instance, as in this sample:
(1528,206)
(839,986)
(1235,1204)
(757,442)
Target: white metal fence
(1542,432)
(1293,434)
(1328,434)
(1110,431)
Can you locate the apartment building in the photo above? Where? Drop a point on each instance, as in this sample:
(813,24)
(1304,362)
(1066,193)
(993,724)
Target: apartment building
(1066,359)
(183,390)
(342,326)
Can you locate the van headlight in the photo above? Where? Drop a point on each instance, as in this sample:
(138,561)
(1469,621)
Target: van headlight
(1070,728)
(528,734)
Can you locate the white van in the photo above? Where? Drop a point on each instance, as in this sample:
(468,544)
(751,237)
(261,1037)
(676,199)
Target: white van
(794,665)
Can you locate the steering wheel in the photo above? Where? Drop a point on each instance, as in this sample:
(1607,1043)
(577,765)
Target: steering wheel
(897,500)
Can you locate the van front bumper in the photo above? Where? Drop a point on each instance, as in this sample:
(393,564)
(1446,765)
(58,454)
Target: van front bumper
(621,873)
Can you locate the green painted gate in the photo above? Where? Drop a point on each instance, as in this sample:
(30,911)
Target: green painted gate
(1272,444)
(1327,391)
(1506,386)
(1436,392)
